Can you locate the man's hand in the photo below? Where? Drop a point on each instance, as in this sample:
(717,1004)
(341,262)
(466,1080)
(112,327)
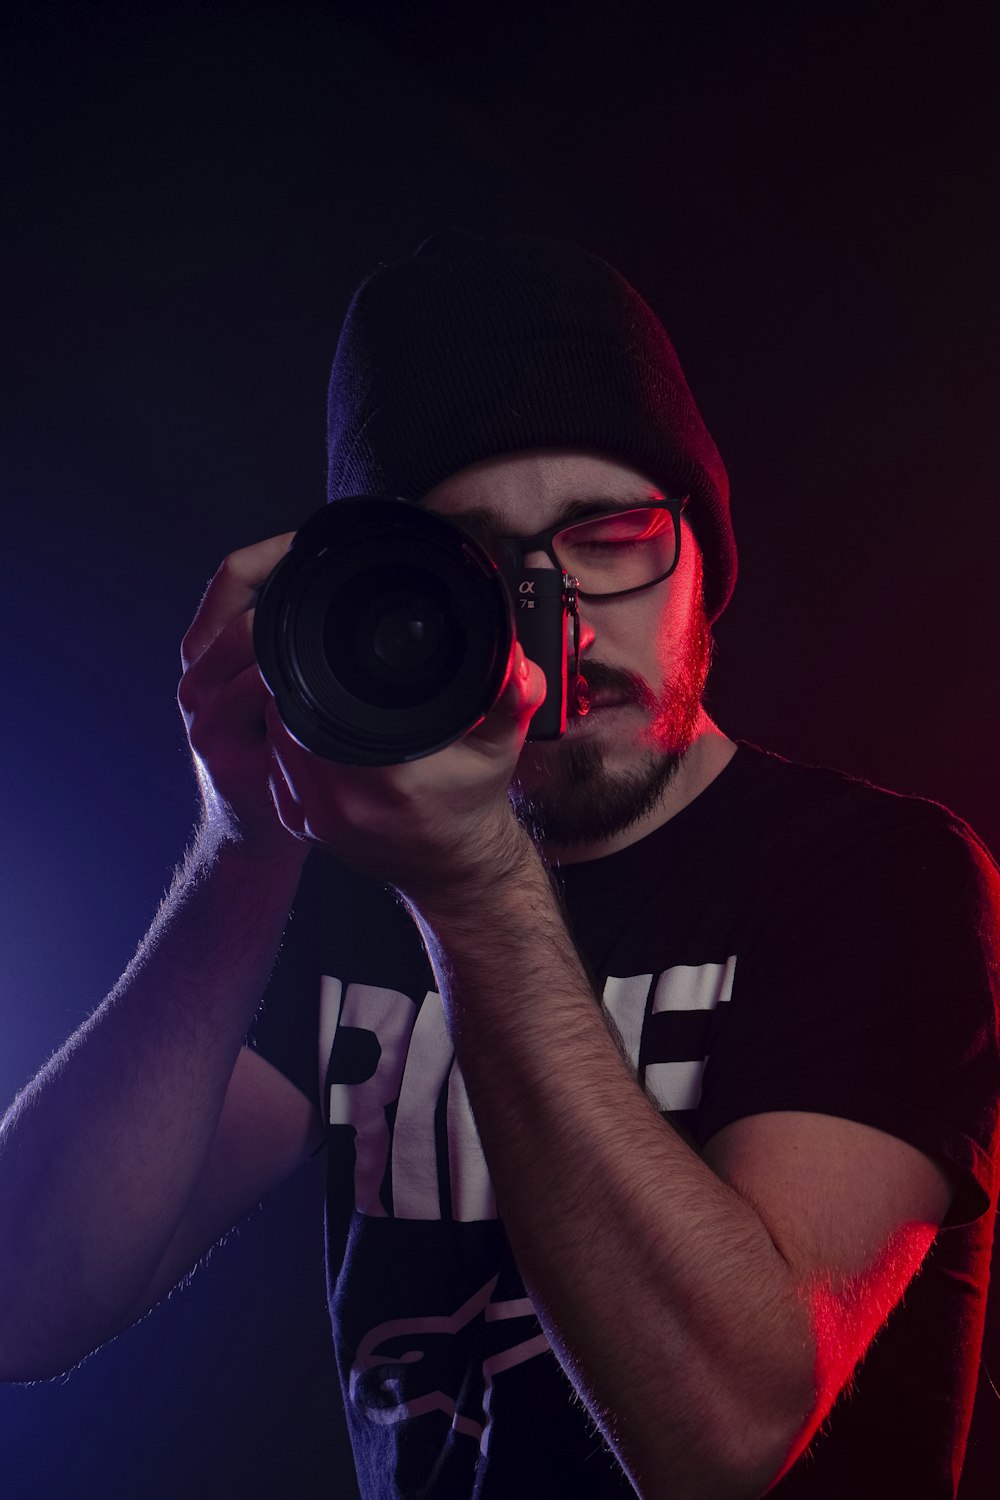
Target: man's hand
(223,702)
(429,825)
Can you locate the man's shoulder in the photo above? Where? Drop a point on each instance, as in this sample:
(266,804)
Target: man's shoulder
(838,813)
(801,787)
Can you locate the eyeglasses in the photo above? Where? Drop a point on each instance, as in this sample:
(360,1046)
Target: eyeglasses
(616,552)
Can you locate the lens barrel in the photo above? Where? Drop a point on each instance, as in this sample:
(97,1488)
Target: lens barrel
(385,633)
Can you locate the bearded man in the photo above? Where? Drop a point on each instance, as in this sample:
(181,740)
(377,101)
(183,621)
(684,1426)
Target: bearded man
(658,1077)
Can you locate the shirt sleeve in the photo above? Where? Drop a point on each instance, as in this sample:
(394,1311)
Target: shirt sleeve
(868,990)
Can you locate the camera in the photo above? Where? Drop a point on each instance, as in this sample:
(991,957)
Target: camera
(387,632)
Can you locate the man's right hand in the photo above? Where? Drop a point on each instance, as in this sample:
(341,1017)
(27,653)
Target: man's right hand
(223,700)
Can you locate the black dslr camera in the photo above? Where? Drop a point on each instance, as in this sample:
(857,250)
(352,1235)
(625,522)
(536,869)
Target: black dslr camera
(387,632)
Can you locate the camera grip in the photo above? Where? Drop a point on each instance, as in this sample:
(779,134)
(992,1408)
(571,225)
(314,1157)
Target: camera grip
(540,621)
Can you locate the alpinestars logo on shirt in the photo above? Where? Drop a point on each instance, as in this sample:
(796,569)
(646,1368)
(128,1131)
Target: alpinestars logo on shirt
(405,1355)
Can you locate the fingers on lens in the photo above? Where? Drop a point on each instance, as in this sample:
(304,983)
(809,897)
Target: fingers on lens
(235,713)
(226,655)
(232,591)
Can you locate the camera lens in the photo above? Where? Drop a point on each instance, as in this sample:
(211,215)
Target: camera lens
(407,638)
(384,634)
(391,636)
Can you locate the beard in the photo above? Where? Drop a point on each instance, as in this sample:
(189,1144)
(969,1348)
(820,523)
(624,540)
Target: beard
(563,793)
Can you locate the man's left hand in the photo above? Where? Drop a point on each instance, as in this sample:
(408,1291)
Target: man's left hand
(426,826)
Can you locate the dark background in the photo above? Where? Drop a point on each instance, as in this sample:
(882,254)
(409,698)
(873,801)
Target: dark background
(806,193)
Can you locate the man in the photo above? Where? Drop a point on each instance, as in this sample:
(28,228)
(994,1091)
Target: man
(576,1248)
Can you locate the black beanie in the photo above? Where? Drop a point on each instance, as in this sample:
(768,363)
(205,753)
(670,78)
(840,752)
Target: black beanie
(474,347)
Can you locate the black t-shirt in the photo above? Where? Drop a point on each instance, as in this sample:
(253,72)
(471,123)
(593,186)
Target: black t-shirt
(791,940)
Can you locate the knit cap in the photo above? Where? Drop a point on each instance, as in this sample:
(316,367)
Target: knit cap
(475,347)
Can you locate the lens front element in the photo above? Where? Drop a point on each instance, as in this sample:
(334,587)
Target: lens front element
(392,636)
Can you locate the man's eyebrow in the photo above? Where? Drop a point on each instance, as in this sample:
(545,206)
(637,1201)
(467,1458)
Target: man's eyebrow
(573,510)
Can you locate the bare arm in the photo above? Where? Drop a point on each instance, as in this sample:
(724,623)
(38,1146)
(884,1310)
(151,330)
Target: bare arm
(645,1259)
(103,1153)
(138,1144)
(266,1130)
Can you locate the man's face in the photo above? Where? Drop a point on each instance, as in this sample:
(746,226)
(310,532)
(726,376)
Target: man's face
(645,657)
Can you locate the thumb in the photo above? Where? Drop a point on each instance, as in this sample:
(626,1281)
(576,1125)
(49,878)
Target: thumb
(535,682)
(507,721)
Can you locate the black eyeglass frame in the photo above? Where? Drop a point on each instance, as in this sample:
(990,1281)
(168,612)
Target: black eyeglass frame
(543,541)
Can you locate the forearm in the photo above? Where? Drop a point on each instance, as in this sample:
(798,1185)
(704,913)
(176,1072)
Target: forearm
(665,1298)
(102,1152)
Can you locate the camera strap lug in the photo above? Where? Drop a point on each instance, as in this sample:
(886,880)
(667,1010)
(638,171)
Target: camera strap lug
(579,691)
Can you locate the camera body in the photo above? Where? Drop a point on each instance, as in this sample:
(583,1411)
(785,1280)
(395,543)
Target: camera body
(387,632)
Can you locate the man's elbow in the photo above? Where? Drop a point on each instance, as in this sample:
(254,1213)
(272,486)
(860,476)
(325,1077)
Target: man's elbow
(30,1366)
(742,1445)
(35,1354)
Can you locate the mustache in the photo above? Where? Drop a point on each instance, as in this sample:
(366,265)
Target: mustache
(617,682)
